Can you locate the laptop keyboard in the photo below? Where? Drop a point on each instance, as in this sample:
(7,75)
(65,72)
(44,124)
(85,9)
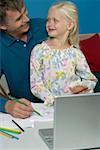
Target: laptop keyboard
(47,136)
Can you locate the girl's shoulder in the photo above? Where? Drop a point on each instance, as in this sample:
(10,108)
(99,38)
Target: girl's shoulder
(77,52)
(42,45)
(39,45)
(75,49)
(41,49)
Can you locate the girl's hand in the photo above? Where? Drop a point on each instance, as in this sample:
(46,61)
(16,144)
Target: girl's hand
(79,89)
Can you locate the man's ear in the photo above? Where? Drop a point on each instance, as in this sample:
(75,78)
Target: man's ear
(70,25)
(2,27)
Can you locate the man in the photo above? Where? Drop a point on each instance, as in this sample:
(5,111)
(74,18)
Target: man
(18,35)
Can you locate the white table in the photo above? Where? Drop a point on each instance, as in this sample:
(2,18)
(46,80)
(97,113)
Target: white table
(29,140)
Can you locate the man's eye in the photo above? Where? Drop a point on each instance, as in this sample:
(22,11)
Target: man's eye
(18,19)
(26,13)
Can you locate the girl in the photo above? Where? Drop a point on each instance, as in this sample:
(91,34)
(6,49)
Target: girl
(57,65)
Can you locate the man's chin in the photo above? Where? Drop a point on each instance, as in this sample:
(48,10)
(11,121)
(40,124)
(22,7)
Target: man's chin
(26,29)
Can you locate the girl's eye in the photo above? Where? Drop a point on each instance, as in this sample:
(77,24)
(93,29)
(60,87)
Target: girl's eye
(52,20)
(47,20)
(56,20)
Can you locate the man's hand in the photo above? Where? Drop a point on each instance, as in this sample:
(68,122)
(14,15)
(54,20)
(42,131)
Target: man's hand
(79,89)
(19,110)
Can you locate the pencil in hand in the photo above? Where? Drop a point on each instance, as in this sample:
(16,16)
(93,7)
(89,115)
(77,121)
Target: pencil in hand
(5,95)
(38,113)
(17,100)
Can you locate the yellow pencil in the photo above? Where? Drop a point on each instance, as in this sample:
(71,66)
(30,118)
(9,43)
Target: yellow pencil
(5,134)
(11,130)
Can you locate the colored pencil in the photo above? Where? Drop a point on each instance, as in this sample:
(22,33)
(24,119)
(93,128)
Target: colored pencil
(2,132)
(11,130)
(38,113)
(5,134)
(5,95)
(18,125)
(12,98)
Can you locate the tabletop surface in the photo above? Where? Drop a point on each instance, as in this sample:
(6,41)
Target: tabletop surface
(29,140)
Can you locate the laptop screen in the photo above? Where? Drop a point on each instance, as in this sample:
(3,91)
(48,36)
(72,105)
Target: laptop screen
(77,122)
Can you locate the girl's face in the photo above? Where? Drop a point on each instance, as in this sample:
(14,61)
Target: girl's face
(57,23)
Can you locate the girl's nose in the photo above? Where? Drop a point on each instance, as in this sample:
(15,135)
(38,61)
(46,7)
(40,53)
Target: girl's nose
(50,22)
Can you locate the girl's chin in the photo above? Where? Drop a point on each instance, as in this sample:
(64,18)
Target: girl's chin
(51,35)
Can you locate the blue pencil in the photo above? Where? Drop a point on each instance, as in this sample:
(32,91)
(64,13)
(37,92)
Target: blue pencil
(9,134)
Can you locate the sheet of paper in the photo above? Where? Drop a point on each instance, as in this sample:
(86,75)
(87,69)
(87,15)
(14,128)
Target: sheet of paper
(6,121)
(47,115)
(46,112)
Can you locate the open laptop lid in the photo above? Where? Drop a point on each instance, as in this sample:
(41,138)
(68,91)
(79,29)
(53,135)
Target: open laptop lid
(77,122)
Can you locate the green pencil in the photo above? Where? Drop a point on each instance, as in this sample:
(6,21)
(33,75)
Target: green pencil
(11,130)
(5,95)
(17,100)
(38,113)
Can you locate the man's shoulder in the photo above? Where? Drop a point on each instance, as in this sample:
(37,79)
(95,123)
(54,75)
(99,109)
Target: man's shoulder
(37,25)
(37,22)
(38,19)
(38,29)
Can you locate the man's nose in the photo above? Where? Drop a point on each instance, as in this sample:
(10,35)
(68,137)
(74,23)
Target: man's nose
(25,18)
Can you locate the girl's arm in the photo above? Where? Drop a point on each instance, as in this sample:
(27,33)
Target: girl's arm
(37,85)
(82,69)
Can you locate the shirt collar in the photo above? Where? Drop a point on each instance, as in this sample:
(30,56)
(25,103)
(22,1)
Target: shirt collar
(8,40)
(29,35)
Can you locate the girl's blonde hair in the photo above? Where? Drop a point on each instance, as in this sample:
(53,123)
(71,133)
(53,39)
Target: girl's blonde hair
(70,10)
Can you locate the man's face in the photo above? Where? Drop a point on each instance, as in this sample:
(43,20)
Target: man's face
(17,22)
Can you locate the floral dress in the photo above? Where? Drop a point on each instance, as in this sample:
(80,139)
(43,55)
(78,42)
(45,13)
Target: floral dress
(54,71)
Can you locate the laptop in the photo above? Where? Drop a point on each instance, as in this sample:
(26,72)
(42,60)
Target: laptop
(76,123)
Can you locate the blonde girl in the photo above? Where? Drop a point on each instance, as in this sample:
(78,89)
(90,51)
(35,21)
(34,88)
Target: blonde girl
(58,66)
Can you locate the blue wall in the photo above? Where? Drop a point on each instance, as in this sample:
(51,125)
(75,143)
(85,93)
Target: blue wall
(89,13)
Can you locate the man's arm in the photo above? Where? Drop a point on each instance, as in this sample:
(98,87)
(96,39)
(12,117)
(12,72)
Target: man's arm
(2,104)
(14,108)
(5,86)
(19,110)
(2,100)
